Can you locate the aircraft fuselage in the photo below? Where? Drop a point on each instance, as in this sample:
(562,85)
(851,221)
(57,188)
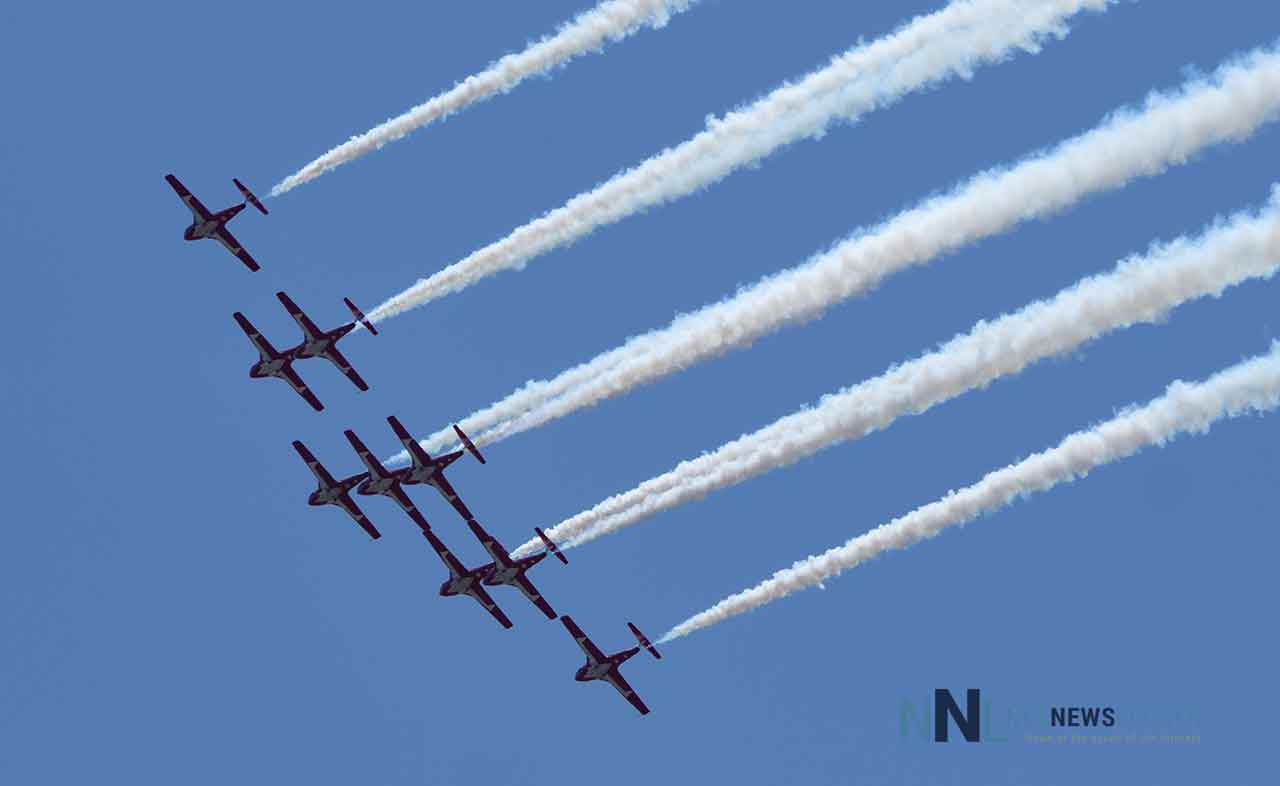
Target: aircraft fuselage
(458,585)
(332,494)
(320,345)
(269,367)
(503,574)
(601,669)
(316,348)
(384,484)
(201,229)
(509,573)
(419,473)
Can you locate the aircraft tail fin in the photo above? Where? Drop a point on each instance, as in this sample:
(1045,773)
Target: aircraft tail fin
(360,317)
(248,195)
(551,547)
(468,444)
(644,641)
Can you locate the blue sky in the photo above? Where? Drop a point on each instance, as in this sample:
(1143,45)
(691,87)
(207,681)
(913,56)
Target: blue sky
(175,612)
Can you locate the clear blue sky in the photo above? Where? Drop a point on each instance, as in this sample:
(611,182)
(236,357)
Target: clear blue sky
(174,612)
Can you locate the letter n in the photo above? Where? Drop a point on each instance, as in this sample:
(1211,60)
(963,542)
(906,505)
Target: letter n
(968,723)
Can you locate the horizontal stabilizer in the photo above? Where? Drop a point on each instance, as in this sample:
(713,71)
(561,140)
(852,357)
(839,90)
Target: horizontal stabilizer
(360,317)
(468,444)
(644,642)
(253,200)
(551,547)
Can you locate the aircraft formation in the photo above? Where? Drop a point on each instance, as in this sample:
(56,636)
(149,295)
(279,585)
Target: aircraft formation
(424,469)
(1168,129)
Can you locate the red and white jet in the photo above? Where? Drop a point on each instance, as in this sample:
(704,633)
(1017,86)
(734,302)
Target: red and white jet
(430,471)
(505,570)
(465,581)
(316,343)
(335,492)
(605,667)
(383,481)
(206,224)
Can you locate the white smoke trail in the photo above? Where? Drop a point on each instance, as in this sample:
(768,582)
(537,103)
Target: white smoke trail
(612,20)
(1252,386)
(950,42)
(1140,289)
(1166,131)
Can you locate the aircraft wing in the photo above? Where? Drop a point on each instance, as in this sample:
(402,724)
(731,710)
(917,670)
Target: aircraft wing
(353,510)
(259,341)
(535,597)
(410,444)
(617,681)
(402,499)
(451,562)
(592,652)
(482,596)
(322,475)
(371,461)
(446,490)
(308,327)
(289,375)
(197,209)
(335,357)
(491,545)
(230,243)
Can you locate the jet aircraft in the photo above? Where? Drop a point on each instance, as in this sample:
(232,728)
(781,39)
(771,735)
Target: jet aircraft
(383,481)
(316,343)
(335,492)
(429,470)
(464,581)
(505,570)
(206,224)
(605,667)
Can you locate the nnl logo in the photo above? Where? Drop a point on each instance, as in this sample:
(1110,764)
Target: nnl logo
(969,722)
(974,718)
